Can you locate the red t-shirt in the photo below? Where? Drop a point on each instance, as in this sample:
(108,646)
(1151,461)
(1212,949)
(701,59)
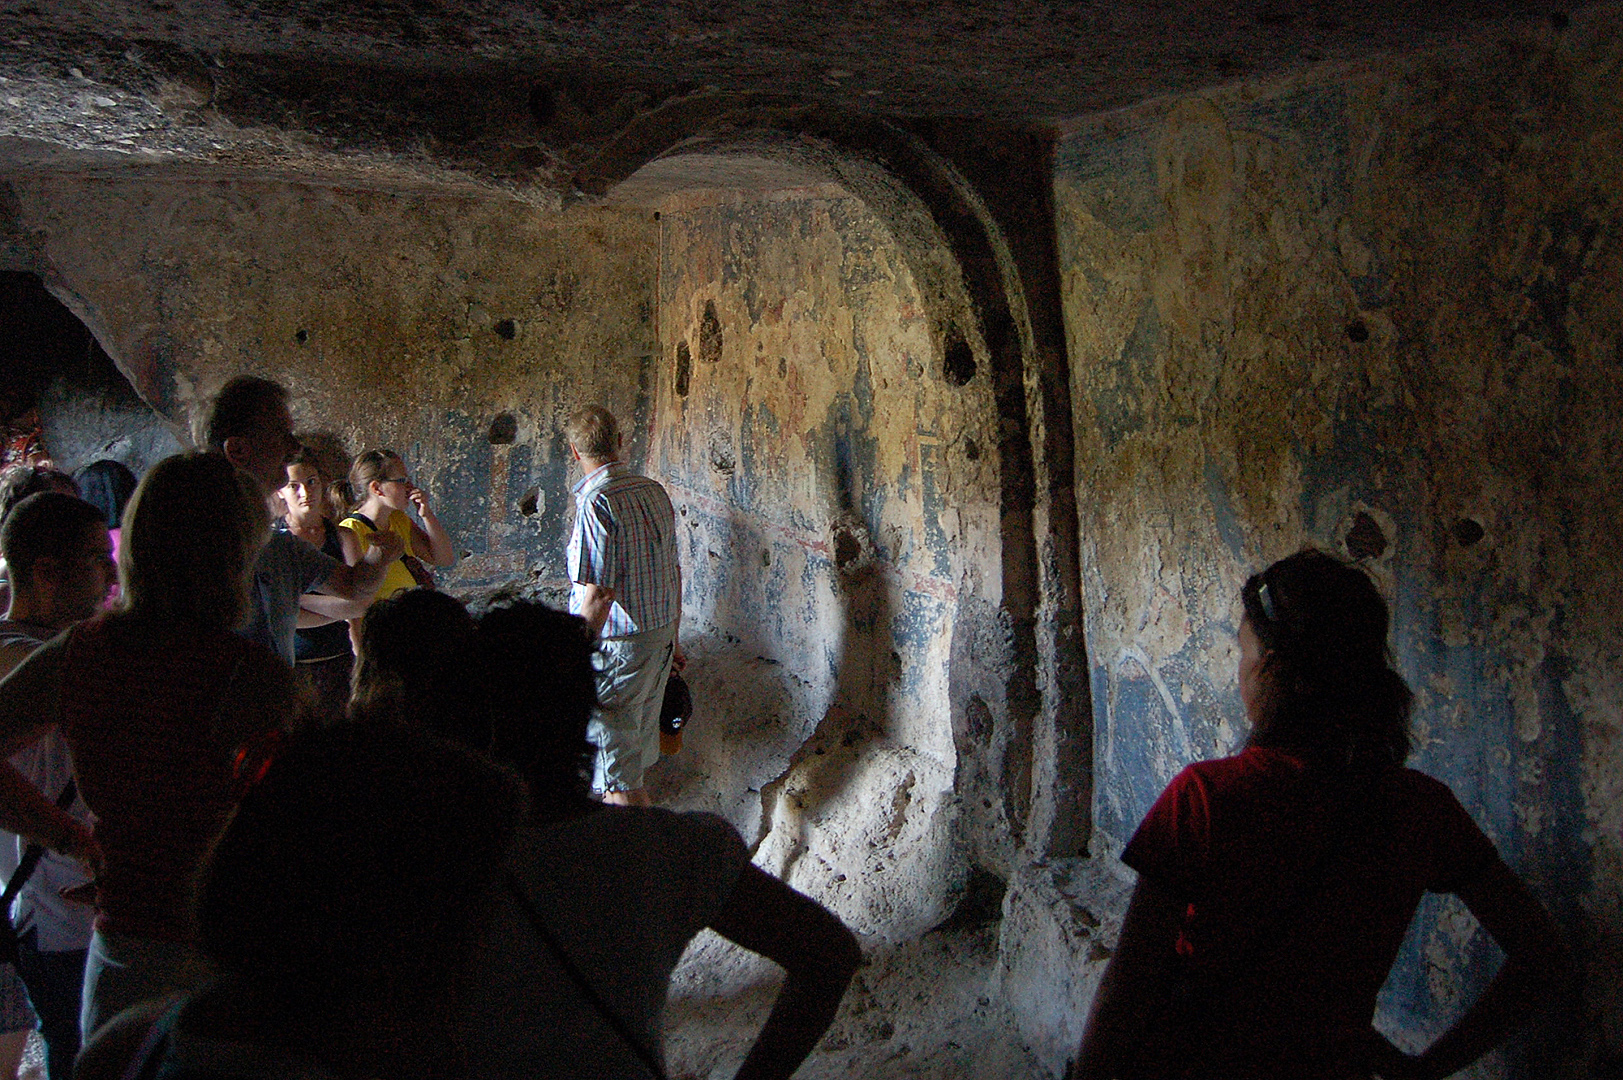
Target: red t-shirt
(154,746)
(1297,905)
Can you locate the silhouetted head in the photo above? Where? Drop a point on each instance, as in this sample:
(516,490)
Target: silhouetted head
(415,666)
(346,888)
(1317,677)
(107,485)
(250,423)
(192,532)
(536,669)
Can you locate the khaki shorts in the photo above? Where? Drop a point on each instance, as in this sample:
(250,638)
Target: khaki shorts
(631,674)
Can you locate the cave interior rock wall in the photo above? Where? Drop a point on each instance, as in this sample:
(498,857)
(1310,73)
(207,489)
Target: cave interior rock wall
(1374,308)
(1377,312)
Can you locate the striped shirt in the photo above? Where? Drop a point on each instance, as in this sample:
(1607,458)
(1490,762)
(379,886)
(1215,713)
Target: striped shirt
(625,539)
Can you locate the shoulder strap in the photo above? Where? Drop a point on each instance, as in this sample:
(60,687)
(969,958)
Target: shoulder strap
(644,1055)
(362,518)
(33,853)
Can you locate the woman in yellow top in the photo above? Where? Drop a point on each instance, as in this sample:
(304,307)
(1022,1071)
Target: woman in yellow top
(386,496)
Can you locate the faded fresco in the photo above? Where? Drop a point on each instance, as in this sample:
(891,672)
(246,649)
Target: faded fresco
(836,500)
(1382,313)
(457,332)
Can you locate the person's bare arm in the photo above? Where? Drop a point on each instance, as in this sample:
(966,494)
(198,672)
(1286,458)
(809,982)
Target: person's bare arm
(430,536)
(319,609)
(1536,969)
(818,954)
(595,601)
(1136,976)
(359,580)
(30,697)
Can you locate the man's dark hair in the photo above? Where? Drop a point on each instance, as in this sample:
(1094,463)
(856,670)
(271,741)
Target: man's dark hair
(415,667)
(49,523)
(20,481)
(237,406)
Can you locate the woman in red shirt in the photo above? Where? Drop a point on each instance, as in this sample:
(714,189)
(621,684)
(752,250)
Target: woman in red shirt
(160,703)
(1276,887)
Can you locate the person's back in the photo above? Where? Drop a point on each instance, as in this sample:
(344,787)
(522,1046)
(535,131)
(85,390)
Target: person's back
(154,702)
(335,909)
(1299,896)
(1276,887)
(622,891)
(147,716)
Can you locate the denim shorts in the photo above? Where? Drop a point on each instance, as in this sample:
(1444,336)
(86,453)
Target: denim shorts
(631,674)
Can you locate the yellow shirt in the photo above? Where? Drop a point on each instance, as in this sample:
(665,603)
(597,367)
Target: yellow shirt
(397,578)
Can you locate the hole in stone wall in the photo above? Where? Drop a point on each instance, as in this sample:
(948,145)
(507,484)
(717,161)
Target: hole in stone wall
(958,361)
(1365,540)
(1357,332)
(301,336)
(684,367)
(530,505)
(507,330)
(710,334)
(847,549)
(972,450)
(503,429)
(982,904)
(1468,531)
(721,458)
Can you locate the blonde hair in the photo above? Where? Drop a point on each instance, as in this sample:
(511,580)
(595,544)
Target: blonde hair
(192,532)
(369,467)
(593,432)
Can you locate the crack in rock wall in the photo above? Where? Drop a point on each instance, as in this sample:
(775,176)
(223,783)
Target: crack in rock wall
(1376,311)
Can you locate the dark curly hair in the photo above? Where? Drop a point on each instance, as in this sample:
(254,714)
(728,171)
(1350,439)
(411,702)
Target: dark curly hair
(1326,686)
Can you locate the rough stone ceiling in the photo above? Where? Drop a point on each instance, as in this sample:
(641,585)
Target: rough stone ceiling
(521,94)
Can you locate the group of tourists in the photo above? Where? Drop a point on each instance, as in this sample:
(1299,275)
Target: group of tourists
(435,856)
(424,887)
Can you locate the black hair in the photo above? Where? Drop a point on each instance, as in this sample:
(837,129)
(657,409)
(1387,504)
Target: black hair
(49,523)
(106,485)
(237,408)
(415,667)
(536,666)
(1327,689)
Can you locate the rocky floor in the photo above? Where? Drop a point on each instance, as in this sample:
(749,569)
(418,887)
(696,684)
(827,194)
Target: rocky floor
(923,1010)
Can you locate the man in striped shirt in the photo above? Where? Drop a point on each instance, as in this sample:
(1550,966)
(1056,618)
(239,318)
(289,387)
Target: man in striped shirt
(628,588)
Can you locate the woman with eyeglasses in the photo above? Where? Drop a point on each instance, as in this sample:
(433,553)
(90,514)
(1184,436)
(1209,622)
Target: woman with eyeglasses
(382,498)
(1276,887)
